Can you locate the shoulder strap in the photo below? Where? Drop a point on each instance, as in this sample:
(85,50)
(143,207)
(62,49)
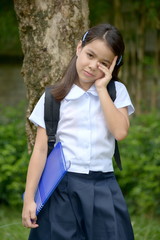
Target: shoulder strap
(51,117)
(112,92)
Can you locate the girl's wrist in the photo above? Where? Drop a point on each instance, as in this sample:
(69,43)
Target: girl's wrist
(28,197)
(28,200)
(101,85)
(100,88)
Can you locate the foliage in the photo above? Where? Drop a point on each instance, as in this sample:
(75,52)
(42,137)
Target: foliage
(14,156)
(9,36)
(100,11)
(140,153)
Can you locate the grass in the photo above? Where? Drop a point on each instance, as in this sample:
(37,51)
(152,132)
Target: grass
(12,229)
(146,228)
(10,224)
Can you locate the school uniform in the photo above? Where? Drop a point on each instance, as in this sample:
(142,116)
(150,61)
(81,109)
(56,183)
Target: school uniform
(88,203)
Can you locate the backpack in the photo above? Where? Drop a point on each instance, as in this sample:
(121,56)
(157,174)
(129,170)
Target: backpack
(51,118)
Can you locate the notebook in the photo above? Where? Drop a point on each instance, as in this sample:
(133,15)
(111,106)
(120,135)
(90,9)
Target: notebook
(53,172)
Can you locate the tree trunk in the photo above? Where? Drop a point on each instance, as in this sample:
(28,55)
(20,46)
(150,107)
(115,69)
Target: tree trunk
(49,32)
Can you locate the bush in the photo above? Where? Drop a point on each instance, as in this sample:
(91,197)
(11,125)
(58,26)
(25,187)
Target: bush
(13,156)
(140,154)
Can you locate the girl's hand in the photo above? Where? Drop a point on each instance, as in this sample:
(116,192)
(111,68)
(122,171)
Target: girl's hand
(29,217)
(103,82)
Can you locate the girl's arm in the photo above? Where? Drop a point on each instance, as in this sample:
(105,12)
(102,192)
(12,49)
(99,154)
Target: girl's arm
(35,168)
(117,119)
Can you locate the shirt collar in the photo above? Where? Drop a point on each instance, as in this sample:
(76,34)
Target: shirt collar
(76,92)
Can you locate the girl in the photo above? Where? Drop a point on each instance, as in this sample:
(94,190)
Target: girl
(88,203)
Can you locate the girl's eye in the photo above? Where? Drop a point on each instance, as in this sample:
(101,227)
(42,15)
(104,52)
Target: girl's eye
(89,55)
(105,64)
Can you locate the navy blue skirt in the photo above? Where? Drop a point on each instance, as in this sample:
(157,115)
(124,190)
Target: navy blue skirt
(85,207)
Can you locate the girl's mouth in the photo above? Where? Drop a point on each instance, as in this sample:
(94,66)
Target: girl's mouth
(88,74)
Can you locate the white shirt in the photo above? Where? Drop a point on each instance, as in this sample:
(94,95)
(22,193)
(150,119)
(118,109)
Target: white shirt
(82,129)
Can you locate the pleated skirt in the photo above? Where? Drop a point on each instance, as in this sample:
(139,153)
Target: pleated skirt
(85,207)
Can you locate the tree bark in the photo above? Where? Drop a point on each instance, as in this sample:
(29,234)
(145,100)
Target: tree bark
(49,31)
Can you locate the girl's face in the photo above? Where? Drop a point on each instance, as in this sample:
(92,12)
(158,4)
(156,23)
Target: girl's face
(88,58)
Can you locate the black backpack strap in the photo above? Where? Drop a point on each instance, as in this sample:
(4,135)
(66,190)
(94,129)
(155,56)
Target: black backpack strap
(51,117)
(117,155)
(112,92)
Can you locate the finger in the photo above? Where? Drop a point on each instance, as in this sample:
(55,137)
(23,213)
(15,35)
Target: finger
(24,220)
(33,214)
(33,224)
(33,217)
(113,64)
(29,223)
(103,68)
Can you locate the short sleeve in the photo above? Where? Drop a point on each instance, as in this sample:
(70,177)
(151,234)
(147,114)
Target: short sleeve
(37,116)
(123,98)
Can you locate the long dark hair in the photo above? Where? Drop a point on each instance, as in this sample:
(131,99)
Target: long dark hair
(114,41)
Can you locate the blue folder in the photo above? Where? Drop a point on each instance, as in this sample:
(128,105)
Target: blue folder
(53,172)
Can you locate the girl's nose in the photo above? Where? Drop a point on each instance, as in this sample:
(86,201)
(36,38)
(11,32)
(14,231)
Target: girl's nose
(93,65)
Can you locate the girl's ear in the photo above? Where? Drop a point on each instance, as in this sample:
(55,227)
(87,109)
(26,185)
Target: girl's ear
(79,48)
